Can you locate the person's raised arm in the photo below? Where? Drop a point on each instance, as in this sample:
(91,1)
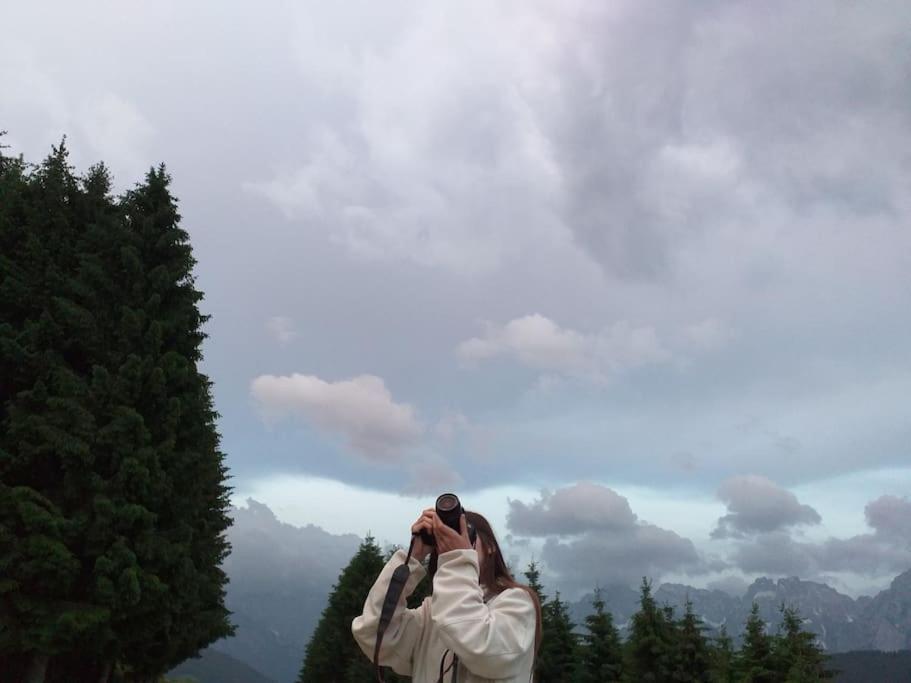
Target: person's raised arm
(491,640)
(404,631)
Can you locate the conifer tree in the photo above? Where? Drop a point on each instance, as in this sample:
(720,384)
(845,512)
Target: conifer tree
(332,655)
(649,647)
(798,657)
(600,654)
(113,497)
(177,477)
(557,656)
(46,427)
(692,657)
(722,658)
(755,663)
(533,578)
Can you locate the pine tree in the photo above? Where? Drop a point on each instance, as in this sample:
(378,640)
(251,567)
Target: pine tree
(798,657)
(46,429)
(332,655)
(113,505)
(533,577)
(755,663)
(649,647)
(601,654)
(177,477)
(692,657)
(557,656)
(722,658)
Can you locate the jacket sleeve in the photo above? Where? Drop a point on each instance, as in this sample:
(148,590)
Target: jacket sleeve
(406,627)
(490,640)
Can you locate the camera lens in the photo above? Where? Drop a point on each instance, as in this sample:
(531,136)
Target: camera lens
(447,502)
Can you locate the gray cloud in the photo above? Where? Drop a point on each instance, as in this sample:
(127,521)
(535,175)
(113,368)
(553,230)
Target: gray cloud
(396,174)
(430,474)
(574,509)
(885,551)
(607,544)
(776,553)
(758,505)
(540,343)
(890,516)
(684,122)
(620,556)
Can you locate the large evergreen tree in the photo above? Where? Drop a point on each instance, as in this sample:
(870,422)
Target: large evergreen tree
(755,662)
(722,658)
(332,655)
(649,647)
(600,654)
(798,657)
(692,656)
(46,425)
(176,479)
(113,504)
(557,656)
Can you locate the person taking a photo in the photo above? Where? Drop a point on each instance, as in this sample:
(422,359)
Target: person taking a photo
(478,624)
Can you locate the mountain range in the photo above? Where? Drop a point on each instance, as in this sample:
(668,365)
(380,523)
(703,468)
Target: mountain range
(840,622)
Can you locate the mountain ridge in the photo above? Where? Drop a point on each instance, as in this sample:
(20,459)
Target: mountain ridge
(841,623)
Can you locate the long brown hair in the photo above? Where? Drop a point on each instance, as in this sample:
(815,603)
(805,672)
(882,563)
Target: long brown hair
(495,574)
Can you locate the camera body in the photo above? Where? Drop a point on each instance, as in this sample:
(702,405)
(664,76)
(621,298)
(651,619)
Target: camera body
(449,510)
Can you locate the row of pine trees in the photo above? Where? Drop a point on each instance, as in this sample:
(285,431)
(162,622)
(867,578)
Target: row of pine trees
(113,501)
(660,646)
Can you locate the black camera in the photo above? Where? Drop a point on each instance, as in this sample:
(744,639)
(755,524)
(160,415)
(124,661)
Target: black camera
(449,510)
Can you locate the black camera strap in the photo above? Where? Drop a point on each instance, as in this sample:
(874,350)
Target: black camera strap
(390,602)
(453,664)
(393,593)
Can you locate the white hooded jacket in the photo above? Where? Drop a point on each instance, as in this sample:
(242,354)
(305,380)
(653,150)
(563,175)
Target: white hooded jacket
(494,641)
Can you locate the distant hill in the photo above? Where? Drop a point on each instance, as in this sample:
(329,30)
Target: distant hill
(871,665)
(280,579)
(216,667)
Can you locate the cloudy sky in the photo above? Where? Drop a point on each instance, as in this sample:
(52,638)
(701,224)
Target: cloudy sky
(630,277)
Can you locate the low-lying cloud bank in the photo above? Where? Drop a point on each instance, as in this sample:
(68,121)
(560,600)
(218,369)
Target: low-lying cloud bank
(591,536)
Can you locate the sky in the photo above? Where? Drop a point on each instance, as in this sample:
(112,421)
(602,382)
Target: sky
(631,278)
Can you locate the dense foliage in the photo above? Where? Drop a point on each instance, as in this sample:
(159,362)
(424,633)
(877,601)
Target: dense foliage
(113,502)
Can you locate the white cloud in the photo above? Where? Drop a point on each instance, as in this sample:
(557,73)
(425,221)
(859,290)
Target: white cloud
(538,342)
(361,410)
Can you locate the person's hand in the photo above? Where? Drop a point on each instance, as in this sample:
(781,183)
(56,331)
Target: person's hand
(425,521)
(447,539)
